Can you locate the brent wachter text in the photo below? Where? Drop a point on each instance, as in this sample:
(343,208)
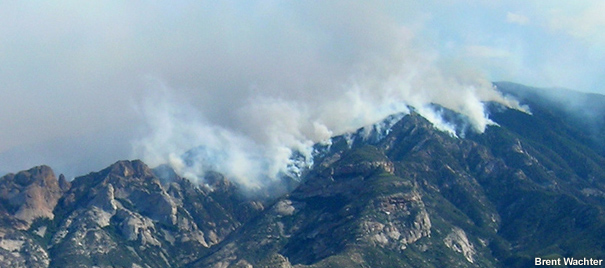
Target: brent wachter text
(568,261)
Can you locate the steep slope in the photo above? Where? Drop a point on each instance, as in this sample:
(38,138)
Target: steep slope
(354,211)
(400,195)
(532,187)
(363,206)
(124,216)
(580,114)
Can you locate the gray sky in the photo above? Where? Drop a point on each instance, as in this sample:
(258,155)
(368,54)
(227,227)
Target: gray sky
(84,84)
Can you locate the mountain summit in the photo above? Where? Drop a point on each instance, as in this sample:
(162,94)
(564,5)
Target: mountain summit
(531,187)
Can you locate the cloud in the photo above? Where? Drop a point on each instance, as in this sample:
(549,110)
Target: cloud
(585,21)
(516,18)
(487,52)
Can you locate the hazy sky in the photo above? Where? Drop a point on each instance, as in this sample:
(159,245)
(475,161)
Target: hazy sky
(80,82)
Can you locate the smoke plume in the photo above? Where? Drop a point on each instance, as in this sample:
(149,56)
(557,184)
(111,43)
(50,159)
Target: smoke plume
(264,76)
(265,131)
(261,100)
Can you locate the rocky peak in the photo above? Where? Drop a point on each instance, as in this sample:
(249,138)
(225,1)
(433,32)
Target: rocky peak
(160,212)
(166,173)
(129,168)
(216,181)
(63,183)
(40,175)
(32,193)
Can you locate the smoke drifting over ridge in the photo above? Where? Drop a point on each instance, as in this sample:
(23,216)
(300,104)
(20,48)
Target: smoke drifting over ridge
(309,81)
(250,83)
(302,93)
(264,133)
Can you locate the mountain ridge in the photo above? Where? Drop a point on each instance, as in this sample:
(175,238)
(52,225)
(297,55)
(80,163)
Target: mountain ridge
(409,196)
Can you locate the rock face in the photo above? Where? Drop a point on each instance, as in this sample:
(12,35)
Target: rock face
(31,194)
(124,215)
(25,198)
(412,196)
(458,241)
(418,197)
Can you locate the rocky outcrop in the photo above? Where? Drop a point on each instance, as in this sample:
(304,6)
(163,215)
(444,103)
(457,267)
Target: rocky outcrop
(29,198)
(127,212)
(21,250)
(458,242)
(330,213)
(31,194)
(364,168)
(404,222)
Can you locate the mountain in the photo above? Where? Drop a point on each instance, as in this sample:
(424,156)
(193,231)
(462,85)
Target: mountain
(408,196)
(581,113)
(117,217)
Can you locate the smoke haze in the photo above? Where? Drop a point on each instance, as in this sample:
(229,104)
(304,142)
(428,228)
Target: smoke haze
(265,129)
(248,83)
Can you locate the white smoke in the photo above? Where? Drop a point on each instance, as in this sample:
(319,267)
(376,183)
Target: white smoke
(311,81)
(69,70)
(257,148)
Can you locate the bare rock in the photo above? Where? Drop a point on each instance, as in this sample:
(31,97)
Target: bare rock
(458,242)
(33,193)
